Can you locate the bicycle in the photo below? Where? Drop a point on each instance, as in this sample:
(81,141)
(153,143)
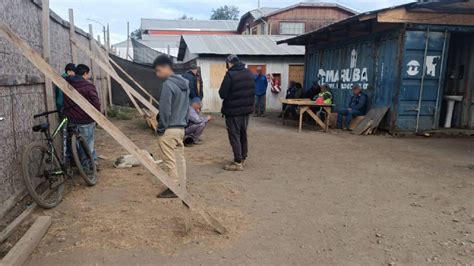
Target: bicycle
(45,172)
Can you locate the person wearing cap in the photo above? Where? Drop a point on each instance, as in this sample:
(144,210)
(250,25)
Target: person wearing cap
(69,71)
(357,107)
(195,83)
(238,94)
(261,84)
(196,123)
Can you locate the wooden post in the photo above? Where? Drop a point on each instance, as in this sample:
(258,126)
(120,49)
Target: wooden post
(27,244)
(128,40)
(50,97)
(91,40)
(107,49)
(108,126)
(72,32)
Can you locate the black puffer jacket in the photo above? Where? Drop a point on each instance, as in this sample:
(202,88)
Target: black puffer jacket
(238,91)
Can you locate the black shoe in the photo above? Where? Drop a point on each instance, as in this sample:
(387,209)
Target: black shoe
(167,194)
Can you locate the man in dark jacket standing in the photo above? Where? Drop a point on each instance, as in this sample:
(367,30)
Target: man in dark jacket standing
(195,83)
(174,104)
(85,124)
(237,92)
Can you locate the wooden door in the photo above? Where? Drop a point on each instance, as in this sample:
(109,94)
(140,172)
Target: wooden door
(296,73)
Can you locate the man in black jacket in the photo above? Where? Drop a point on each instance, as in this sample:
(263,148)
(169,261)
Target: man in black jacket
(237,92)
(195,83)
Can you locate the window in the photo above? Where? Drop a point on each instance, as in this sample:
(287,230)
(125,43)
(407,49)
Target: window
(291,28)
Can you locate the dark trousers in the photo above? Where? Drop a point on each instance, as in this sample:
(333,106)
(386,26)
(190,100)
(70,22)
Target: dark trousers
(348,115)
(260,103)
(237,131)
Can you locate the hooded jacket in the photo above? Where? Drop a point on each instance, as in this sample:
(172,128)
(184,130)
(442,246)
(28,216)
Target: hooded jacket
(73,112)
(174,103)
(238,91)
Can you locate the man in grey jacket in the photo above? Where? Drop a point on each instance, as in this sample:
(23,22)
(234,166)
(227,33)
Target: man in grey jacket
(174,103)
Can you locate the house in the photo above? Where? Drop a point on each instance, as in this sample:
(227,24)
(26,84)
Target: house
(209,52)
(417,59)
(163,36)
(292,20)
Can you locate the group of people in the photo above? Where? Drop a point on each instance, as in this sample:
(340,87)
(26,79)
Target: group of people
(321,94)
(78,77)
(180,121)
(180,114)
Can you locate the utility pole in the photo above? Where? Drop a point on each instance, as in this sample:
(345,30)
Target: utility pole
(258,4)
(128,39)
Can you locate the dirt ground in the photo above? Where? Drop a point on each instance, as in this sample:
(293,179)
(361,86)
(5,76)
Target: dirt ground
(310,198)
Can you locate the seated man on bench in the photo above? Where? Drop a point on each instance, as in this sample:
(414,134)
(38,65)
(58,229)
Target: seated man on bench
(357,107)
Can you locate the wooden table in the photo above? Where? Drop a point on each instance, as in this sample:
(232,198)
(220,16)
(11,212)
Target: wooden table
(304,106)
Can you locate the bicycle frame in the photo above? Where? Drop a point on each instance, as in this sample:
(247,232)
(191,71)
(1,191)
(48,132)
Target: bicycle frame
(50,138)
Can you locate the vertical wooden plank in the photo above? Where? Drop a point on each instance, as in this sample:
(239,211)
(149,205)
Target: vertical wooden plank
(91,47)
(72,32)
(109,81)
(50,99)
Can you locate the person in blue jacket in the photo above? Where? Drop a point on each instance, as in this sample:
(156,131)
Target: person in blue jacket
(261,85)
(357,107)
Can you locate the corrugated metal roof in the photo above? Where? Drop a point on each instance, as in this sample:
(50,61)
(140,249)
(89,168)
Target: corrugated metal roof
(182,24)
(263,45)
(262,12)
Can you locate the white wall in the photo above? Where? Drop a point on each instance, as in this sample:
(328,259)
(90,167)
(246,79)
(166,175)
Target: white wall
(212,101)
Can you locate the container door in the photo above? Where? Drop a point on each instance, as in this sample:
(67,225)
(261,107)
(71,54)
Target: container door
(422,73)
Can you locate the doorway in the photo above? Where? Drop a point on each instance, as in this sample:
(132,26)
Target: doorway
(459,83)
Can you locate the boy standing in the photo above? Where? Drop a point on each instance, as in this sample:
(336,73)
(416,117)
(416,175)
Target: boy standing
(174,103)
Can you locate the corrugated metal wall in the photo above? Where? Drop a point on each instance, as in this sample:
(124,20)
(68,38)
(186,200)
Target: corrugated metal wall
(22,88)
(422,75)
(370,62)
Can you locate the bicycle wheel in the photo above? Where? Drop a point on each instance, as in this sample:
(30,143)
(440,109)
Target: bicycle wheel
(84,160)
(42,175)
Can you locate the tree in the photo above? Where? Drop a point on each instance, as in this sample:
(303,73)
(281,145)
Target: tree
(136,34)
(225,13)
(185,17)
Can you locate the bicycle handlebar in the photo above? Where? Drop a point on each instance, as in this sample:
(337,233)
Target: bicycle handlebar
(45,113)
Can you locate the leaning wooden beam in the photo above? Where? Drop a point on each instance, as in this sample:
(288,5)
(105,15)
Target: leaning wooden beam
(133,80)
(115,76)
(22,250)
(108,126)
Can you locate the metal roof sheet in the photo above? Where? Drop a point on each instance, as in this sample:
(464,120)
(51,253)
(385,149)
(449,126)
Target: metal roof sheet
(186,24)
(264,45)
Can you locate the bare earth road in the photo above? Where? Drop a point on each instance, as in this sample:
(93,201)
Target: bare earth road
(310,198)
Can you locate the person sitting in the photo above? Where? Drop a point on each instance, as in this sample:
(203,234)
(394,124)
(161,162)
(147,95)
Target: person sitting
(196,123)
(357,107)
(313,91)
(290,94)
(323,98)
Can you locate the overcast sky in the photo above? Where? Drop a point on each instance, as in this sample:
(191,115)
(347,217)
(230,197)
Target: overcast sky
(118,12)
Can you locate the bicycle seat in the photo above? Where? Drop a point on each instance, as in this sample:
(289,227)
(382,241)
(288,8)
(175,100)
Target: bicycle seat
(41,127)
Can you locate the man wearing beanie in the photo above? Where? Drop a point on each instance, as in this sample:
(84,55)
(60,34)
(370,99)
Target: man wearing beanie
(237,92)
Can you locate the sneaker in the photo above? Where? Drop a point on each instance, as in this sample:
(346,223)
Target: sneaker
(167,194)
(234,166)
(256,115)
(198,142)
(188,145)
